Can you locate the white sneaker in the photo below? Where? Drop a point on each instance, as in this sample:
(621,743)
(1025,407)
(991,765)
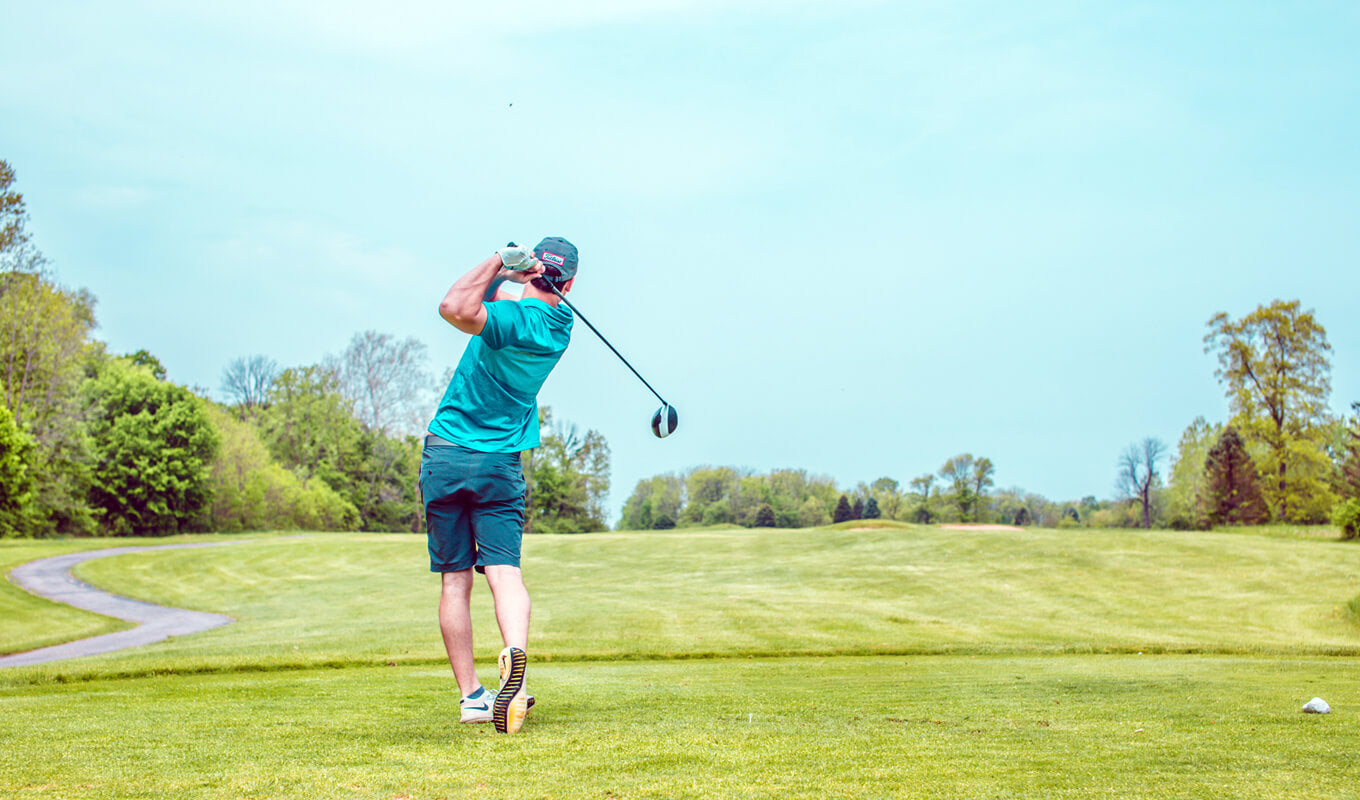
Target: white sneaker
(477,707)
(480,706)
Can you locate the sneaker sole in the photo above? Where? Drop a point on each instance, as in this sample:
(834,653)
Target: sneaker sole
(511,701)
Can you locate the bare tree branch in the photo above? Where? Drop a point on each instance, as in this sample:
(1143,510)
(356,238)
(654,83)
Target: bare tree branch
(385,381)
(247,381)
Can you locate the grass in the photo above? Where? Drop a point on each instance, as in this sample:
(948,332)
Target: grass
(367,599)
(1285,531)
(895,662)
(989,726)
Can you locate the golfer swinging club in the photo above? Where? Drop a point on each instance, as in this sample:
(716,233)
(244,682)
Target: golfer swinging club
(470,474)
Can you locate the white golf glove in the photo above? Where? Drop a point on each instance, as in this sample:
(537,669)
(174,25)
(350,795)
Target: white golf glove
(517,258)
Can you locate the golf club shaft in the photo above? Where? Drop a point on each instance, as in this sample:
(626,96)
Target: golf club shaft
(606,341)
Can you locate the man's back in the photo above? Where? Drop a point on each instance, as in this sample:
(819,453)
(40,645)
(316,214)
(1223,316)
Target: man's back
(491,404)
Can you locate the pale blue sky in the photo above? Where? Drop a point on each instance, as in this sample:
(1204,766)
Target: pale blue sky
(856,237)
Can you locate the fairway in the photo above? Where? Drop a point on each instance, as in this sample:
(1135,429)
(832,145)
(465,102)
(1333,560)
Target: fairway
(895,662)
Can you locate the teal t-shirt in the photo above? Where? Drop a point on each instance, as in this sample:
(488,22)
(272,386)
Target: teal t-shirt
(491,405)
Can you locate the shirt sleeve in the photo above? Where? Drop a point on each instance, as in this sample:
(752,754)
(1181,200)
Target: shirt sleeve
(513,325)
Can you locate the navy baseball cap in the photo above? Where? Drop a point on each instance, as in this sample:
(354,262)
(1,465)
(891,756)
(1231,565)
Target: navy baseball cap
(559,258)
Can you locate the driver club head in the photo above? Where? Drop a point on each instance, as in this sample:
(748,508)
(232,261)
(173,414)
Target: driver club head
(664,421)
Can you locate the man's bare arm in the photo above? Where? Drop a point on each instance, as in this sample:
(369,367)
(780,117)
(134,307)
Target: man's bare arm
(464,305)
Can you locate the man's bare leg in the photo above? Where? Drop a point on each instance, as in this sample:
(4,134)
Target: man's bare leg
(455,623)
(512,604)
(512,614)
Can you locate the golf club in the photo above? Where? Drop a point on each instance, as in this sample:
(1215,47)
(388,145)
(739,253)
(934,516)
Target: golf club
(665,420)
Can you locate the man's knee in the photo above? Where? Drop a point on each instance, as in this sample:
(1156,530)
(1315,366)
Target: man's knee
(457,583)
(500,576)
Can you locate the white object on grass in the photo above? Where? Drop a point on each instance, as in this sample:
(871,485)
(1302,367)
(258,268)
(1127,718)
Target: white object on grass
(1317,706)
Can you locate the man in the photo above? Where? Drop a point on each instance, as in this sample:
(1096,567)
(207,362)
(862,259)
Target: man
(470,474)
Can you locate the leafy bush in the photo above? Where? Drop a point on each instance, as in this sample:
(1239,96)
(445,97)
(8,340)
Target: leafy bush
(16,478)
(250,492)
(1346,516)
(154,448)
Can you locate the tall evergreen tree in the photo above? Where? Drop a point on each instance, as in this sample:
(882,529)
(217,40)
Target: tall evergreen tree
(857,508)
(765,516)
(842,512)
(1232,487)
(871,509)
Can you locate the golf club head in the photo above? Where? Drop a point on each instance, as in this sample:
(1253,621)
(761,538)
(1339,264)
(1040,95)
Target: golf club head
(664,421)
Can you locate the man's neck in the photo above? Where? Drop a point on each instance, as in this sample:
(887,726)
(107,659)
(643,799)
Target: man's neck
(532,292)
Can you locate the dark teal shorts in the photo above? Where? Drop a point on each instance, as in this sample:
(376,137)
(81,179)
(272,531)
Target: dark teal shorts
(474,507)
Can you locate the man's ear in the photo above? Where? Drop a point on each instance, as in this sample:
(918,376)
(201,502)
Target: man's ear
(566,287)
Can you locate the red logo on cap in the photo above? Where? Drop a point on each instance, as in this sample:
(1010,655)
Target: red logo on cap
(554,258)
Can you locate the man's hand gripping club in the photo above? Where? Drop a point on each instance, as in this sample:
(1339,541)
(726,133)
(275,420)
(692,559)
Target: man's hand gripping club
(464,305)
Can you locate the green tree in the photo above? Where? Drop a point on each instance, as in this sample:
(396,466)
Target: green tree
(958,471)
(13,216)
(569,480)
(44,347)
(718,495)
(1274,365)
(764,516)
(1008,505)
(1346,517)
(888,493)
(16,478)
(871,510)
(44,352)
(1232,492)
(787,491)
(813,513)
(843,511)
(1186,488)
(652,498)
(857,508)
(385,482)
(982,480)
(250,491)
(708,492)
(154,448)
(923,492)
(143,358)
(307,427)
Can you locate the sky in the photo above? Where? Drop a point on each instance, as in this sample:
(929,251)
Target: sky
(855,237)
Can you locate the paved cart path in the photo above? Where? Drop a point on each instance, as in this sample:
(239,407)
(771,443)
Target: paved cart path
(52,578)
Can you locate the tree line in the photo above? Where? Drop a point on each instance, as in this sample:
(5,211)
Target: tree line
(94,443)
(1282,456)
(962,490)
